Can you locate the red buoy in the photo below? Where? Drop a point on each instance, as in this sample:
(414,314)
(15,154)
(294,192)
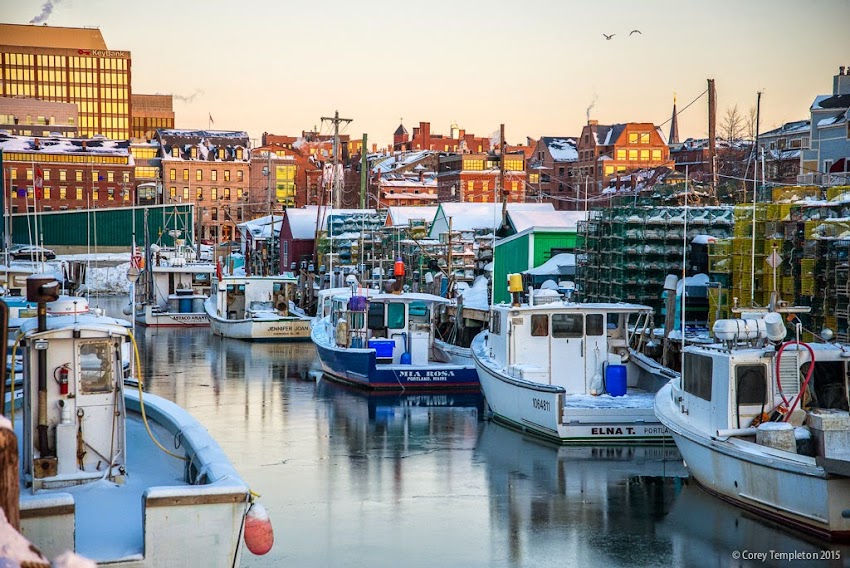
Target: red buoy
(398,269)
(259,535)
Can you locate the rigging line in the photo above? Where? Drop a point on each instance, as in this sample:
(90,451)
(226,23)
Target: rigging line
(678,112)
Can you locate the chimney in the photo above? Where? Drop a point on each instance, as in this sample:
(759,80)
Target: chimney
(421,176)
(592,122)
(841,70)
(425,129)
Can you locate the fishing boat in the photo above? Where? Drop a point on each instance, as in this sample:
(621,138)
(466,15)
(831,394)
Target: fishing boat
(171,292)
(385,341)
(256,308)
(569,372)
(96,477)
(763,423)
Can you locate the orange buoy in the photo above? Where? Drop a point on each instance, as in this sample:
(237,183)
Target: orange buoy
(259,535)
(398,269)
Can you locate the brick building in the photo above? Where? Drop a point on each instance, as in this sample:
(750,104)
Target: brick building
(209,168)
(550,172)
(606,151)
(423,139)
(77,173)
(476,178)
(150,113)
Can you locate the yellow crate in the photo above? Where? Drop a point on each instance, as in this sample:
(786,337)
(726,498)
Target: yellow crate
(767,247)
(720,247)
(808,337)
(743,245)
(836,191)
(745,211)
(719,264)
(807,267)
(786,287)
(807,286)
(795,193)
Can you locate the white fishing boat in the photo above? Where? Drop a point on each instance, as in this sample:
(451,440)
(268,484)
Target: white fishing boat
(735,415)
(568,371)
(171,292)
(96,477)
(256,308)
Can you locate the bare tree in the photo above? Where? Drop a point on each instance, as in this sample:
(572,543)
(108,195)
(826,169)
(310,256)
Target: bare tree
(751,123)
(733,125)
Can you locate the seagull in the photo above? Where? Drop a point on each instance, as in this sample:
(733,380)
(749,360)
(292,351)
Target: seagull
(635,32)
(609,36)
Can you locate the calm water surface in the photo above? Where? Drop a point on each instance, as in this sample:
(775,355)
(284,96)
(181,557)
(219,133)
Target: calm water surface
(425,481)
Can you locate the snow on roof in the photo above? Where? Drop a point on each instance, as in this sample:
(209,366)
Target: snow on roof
(61,145)
(174,132)
(562,149)
(262,227)
(302,223)
(837,119)
(400,160)
(397,216)
(522,220)
(557,265)
(472,216)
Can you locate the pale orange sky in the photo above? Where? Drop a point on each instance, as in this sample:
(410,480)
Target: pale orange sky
(278,66)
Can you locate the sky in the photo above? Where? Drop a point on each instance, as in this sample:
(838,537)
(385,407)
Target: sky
(539,68)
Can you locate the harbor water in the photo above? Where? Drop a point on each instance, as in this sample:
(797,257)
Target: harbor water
(424,480)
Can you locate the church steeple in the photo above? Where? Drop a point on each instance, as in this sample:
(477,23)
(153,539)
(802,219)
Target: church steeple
(674,125)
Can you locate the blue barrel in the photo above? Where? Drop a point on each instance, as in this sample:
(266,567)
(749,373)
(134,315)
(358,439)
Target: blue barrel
(615,380)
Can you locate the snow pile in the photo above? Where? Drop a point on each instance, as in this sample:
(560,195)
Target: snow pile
(476,296)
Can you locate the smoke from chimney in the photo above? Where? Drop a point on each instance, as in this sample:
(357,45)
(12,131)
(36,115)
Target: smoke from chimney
(46,10)
(187,98)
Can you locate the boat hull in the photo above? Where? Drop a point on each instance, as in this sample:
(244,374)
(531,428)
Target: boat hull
(781,486)
(544,410)
(149,317)
(262,330)
(162,524)
(359,367)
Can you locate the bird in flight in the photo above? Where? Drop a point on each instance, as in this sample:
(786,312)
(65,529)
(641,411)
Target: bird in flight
(609,36)
(635,32)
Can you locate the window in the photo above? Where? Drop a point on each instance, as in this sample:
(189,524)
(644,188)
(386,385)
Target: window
(63,175)
(95,366)
(621,154)
(656,155)
(78,175)
(240,175)
(214,175)
(633,154)
(79,194)
(644,155)
(226,175)
(633,137)
(644,137)
(395,315)
(200,194)
(199,175)
(567,325)
(172,174)
(751,384)
(697,381)
(186,194)
(595,324)
(539,325)
(110,176)
(214,193)
(185,174)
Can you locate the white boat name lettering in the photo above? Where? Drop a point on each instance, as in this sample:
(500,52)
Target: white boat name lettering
(541,404)
(426,375)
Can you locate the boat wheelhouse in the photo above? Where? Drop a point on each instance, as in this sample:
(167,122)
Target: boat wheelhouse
(735,415)
(256,308)
(385,341)
(569,372)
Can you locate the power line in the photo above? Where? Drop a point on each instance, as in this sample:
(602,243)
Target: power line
(684,108)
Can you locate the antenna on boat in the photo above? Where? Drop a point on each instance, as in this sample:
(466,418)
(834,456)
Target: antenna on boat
(684,272)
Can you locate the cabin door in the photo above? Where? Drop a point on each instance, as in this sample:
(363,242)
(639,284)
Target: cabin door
(567,351)
(596,347)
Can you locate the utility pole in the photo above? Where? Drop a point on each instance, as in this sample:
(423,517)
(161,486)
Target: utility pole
(337,193)
(363,167)
(756,147)
(502,174)
(712,135)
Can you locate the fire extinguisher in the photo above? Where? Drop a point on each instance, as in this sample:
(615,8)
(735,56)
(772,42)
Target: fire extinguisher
(64,372)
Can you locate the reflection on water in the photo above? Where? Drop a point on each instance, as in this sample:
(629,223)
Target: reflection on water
(351,479)
(565,505)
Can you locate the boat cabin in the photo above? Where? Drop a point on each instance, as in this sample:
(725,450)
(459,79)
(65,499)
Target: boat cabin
(726,385)
(238,298)
(565,344)
(397,326)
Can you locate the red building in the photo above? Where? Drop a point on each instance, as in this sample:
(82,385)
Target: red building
(477,178)
(75,173)
(423,139)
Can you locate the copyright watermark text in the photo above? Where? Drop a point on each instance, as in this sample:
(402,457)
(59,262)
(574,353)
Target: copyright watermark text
(791,556)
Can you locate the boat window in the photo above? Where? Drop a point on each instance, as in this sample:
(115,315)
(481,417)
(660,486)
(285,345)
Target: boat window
(751,384)
(539,325)
(418,312)
(375,316)
(277,286)
(828,384)
(495,323)
(595,324)
(567,325)
(95,367)
(696,378)
(395,315)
